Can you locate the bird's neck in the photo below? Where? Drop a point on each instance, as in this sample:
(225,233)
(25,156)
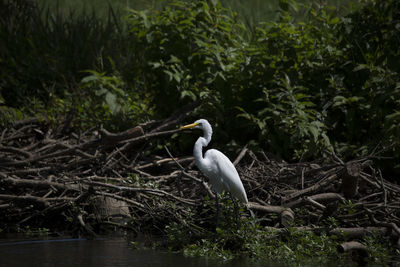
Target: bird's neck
(198,149)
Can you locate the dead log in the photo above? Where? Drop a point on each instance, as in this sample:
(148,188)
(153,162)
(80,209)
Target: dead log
(107,208)
(353,246)
(349,177)
(265,208)
(287,217)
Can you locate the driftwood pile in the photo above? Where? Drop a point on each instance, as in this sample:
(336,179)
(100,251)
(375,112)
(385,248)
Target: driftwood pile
(48,176)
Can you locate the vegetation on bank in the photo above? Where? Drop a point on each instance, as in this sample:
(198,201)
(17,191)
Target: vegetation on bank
(294,247)
(295,88)
(299,89)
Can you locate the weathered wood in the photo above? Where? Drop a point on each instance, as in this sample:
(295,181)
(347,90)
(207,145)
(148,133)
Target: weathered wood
(350,176)
(287,217)
(266,208)
(44,173)
(353,246)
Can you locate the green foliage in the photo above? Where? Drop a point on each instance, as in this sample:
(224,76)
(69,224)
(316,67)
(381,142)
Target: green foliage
(99,100)
(285,58)
(289,118)
(379,249)
(43,53)
(248,239)
(338,93)
(308,81)
(186,48)
(194,235)
(372,73)
(9,115)
(33,232)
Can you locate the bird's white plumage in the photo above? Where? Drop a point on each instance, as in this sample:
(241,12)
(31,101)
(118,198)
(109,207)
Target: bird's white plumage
(215,165)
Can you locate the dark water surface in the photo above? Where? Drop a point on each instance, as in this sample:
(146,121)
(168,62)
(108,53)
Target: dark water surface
(98,253)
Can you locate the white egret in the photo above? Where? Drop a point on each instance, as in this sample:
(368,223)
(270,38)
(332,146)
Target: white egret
(215,165)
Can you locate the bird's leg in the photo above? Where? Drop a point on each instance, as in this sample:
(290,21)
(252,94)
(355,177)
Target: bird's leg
(236,208)
(216,217)
(217,207)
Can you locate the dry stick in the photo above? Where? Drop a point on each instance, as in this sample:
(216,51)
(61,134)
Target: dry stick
(117,150)
(15,151)
(2,135)
(28,171)
(180,166)
(177,116)
(5,206)
(65,152)
(75,164)
(109,138)
(146,137)
(38,200)
(146,190)
(315,199)
(314,203)
(365,176)
(302,178)
(335,157)
(370,196)
(311,189)
(202,182)
(35,183)
(142,172)
(18,136)
(162,161)
(206,187)
(76,149)
(41,212)
(32,120)
(86,227)
(392,225)
(49,146)
(174,159)
(383,188)
(241,155)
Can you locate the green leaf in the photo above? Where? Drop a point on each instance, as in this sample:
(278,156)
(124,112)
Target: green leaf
(88,79)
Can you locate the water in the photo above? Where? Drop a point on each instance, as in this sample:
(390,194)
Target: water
(98,253)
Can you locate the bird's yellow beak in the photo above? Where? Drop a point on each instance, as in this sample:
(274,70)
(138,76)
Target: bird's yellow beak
(189,126)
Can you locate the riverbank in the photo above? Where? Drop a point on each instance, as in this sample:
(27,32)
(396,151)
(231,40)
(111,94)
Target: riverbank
(99,182)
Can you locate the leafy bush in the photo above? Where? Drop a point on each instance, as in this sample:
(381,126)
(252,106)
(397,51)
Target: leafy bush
(43,57)
(296,88)
(338,88)
(186,49)
(100,99)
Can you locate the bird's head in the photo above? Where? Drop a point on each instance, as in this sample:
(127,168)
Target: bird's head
(199,124)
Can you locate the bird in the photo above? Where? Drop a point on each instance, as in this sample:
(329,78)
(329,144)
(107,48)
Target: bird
(220,171)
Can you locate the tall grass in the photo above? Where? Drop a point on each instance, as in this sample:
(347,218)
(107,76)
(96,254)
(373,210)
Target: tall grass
(100,7)
(56,48)
(251,12)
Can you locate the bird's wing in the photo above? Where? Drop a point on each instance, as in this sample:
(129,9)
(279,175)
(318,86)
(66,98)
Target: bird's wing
(225,174)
